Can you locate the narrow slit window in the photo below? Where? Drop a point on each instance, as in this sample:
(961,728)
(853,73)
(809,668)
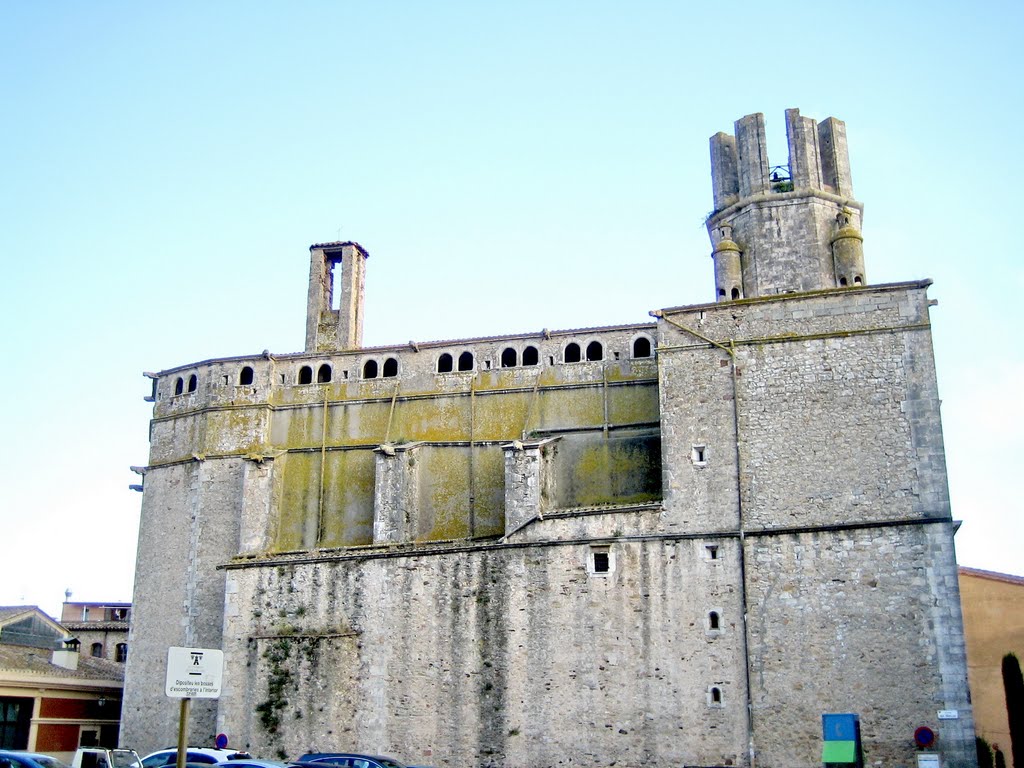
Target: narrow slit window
(715,696)
(712,551)
(699,454)
(335,285)
(714,622)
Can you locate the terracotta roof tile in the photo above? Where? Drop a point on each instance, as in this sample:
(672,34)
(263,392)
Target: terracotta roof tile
(24,658)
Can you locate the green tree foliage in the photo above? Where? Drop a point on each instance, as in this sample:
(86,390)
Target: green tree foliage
(984,753)
(1013,684)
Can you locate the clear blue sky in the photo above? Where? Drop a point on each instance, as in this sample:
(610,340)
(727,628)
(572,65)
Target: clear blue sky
(509,167)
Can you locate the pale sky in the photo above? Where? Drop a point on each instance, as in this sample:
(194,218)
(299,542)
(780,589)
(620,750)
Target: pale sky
(509,167)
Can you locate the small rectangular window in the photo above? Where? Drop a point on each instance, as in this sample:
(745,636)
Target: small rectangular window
(601,561)
(712,551)
(699,454)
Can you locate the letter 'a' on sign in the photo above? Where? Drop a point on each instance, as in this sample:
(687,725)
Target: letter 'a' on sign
(194,673)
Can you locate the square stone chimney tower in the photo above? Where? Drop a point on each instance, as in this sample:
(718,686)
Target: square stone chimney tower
(334,307)
(784,228)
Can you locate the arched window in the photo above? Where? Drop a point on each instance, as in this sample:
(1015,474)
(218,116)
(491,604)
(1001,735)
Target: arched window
(842,282)
(444,363)
(305,375)
(370,369)
(245,377)
(193,381)
(571,353)
(716,696)
(509,358)
(530,356)
(96,650)
(179,386)
(735,293)
(713,620)
(857,280)
(721,293)
(324,374)
(595,351)
(466,361)
(390,368)
(121,652)
(641,347)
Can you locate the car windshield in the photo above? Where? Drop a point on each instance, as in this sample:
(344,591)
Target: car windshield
(123,758)
(49,762)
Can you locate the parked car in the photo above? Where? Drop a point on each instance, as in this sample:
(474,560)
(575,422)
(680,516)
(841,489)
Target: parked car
(202,755)
(101,757)
(248,762)
(347,760)
(12,759)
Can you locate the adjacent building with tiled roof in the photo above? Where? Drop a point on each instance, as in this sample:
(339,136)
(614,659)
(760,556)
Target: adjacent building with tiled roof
(101,628)
(52,698)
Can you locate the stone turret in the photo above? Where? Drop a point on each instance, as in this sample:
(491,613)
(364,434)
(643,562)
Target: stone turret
(334,307)
(784,228)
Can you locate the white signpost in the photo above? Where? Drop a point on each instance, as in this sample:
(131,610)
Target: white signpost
(192,673)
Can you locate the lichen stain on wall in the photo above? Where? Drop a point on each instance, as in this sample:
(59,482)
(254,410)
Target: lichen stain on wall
(348,499)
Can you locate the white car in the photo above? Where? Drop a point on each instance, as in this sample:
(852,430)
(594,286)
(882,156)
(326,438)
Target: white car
(208,755)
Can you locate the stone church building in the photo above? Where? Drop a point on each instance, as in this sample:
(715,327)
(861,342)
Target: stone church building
(678,542)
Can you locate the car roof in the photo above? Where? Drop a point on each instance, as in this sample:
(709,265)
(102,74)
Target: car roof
(318,758)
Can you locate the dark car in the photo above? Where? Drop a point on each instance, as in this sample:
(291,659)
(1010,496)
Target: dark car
(11,759)
(347,760)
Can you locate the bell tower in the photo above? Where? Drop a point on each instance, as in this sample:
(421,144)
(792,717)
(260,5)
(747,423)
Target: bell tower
(784,228)
(334,305)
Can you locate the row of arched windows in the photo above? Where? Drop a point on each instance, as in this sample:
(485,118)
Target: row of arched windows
(446,363)
(371,369)
(323,374)
(571,353)
(179,384)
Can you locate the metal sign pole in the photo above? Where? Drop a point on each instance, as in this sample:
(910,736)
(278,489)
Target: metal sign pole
(182,730)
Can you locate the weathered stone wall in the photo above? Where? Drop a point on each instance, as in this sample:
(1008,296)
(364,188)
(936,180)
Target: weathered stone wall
(411,562)
(494,655)
(818,420)
(191,514)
